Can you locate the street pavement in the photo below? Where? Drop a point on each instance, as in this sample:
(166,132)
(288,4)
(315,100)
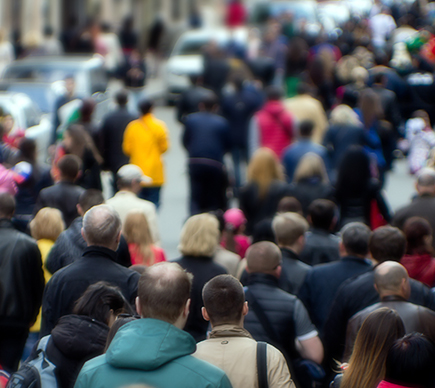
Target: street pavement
(399,186)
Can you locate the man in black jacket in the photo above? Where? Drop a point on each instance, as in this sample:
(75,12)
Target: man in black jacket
(21,286)
(64,195)
(102,232)
(386,244)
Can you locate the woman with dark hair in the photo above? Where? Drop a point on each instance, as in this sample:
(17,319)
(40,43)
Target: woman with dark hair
(419,260)
(357,193)
(82,335)
(366,367)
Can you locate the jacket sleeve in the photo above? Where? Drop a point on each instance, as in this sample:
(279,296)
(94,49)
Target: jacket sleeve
(278,375)
(253,137)
(224,382)
(128,140)
(36,279)
(163,139)
(54,259)
(383,207)
(48,320)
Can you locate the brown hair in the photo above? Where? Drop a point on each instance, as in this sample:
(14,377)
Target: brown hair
(81,140)
(136,231)
(310,165)
(416,230)
(163,291)
(371,107)
(367,363)
(288,227)
(387,243)
(263,169)
(223,298)
(47,224)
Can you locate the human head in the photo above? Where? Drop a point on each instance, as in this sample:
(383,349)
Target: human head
(131,177)
(136,231)
(69,167)
(387,243)
(235,217)
(426,181)
(102,227)
(88,199)
(87,109)
(47,224)
(164,293)
(391,278)
(309,166)
(224,301)
(371,107)
(410,362)
(367,363)
(274,93)
(264,257)
(359,75)
(289,204)
(70,84)
(7,205)
(344,115)
(263,169)
(48,31)
(306,129)
(145,107)
(418,234)
(355,239)
(209,102)
(322,214)
(27,149)
(290,229)
(121,98)
(103,302)
(199,236)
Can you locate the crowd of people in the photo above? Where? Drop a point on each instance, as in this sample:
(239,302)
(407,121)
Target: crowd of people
(293,270)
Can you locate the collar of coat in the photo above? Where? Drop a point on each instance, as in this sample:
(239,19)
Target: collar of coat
(221,331)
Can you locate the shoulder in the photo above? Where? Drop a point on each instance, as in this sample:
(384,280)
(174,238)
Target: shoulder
(202,369)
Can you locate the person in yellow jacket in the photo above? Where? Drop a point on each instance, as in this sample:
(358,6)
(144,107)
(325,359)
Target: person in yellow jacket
(145,140)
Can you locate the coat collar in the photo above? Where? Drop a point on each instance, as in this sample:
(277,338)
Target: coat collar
(97,251)
(221,331)
(262,278)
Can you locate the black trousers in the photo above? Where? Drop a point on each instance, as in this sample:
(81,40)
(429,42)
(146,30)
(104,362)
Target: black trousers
(208,185)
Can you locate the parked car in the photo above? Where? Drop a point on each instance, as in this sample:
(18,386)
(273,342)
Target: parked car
(186,58)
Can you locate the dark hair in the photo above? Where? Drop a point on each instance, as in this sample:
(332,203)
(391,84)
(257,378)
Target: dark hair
(145,106)
(219,214)
(353,176)
(27,149)
(274,93)
(355,237)
(87,109)
(303,88)
(350,97)
(209,100)
(69,166)
(416,229)
(387,243)
(7,205)
(410,362)
(119,322)
(322,213)
(378,78)
(371,107)
(48,31)
(289,204)
(306,128)
(163,291)
(99,299)
(90,198)
(223,298)
(263,232)
(121,97)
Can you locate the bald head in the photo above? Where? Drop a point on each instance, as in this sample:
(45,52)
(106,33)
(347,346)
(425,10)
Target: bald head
(163,291)
(102,226)
(391,278)
(263,257)
(426,181)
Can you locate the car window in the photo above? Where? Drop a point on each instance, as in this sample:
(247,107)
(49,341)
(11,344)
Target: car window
(190,47)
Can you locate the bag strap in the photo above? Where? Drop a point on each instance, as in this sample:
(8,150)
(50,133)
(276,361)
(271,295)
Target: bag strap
(259,312)
(262,364)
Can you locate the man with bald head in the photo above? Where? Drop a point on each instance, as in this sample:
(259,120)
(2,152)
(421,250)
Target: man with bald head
(392,285)
(276,316)
(423,205)
(102,233)
(154,350)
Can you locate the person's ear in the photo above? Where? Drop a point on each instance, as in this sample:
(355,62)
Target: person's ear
(342,249)
(205,314)
(83,234)
(245,309)
(278,271)
(376,288)
(138,306)
(80,211)
(309,220)
(187,308)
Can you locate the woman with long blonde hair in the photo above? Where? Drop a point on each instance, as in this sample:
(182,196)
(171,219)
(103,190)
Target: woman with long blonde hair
(140,242)
(265,187)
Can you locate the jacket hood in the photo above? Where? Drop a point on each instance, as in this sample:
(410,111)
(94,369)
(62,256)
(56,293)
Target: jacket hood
(275,108)
(79,337)
(147,344)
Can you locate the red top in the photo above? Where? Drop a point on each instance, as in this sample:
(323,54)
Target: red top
(386,384)
(136,257)
(420,267)
(236,14)
(275,125)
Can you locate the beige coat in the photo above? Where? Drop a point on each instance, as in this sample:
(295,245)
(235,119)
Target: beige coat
(232,349)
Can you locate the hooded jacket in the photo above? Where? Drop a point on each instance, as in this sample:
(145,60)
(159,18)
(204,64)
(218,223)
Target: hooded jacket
(152,352)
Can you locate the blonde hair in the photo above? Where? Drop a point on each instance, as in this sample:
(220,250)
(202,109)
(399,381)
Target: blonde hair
(344,115)
(47,224)
(360,76)
(136,231)
(199,236)
(310,165)
(263,169)
(288,227)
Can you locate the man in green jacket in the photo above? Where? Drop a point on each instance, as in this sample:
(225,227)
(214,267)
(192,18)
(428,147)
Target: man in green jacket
(155,350)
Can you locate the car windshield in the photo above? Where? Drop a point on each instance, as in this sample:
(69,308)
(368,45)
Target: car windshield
(299,9)
(40,73)
(44,97)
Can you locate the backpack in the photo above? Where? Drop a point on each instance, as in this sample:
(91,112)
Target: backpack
(36,373)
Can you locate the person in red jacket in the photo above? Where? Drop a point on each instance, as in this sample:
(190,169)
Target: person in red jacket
(272,126)
(236,14)
(419,260)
